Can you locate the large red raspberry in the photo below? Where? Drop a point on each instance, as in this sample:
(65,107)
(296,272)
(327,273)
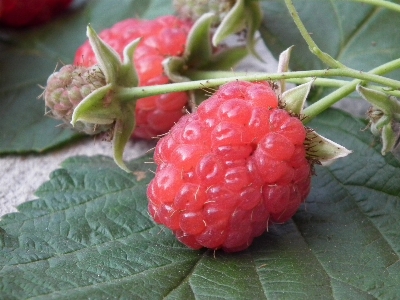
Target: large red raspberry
(227,170)
(22,13)
(160,38)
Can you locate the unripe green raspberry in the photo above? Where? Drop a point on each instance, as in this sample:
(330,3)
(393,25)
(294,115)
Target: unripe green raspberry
(191,9)
(67,88)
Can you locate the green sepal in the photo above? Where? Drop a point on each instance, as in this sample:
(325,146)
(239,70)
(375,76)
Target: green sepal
(323,150)
(244,14)
(233,22)
(383,127)
(198,48)
(374,130)
(283,66)
(107,58)
(95,108)
(383,116)
(172,68)
(199,54)
(377,125)
(295,98)
(128,76)
(387,104)
(389,139)
(104,105)
(123,129)
(253,18)
(116,72)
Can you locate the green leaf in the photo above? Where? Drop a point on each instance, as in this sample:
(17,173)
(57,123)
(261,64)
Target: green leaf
(89,236)
(359,35)
(28,57)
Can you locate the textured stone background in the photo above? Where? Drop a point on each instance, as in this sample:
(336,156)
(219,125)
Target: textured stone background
(22,175)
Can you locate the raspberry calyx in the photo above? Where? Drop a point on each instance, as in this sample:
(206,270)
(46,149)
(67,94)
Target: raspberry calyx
(384,117)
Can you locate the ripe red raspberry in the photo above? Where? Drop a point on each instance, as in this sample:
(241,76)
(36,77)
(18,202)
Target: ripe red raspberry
(227,170)
(161,38)
(21,13)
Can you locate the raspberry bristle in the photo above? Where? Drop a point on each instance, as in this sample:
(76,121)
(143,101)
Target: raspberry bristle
(160,38)
(240,164)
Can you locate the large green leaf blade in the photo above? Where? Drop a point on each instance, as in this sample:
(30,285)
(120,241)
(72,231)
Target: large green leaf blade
(89,236)
(353,216)
(28,57)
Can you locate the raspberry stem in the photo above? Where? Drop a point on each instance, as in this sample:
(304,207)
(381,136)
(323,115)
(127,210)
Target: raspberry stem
(381,3)
(324,57)
(324,82)
(131,94)
(327,101)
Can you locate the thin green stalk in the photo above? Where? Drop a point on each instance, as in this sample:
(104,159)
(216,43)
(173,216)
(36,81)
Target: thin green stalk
(130,94)
(381,3)
(327,101)
(324,103)
(323,82)
(324,57)
(337,83)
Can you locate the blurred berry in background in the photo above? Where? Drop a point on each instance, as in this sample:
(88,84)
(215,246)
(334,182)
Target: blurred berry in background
(26,13)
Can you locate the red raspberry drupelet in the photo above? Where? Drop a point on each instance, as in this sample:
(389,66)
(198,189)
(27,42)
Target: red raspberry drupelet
(160,38)
(227,170)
